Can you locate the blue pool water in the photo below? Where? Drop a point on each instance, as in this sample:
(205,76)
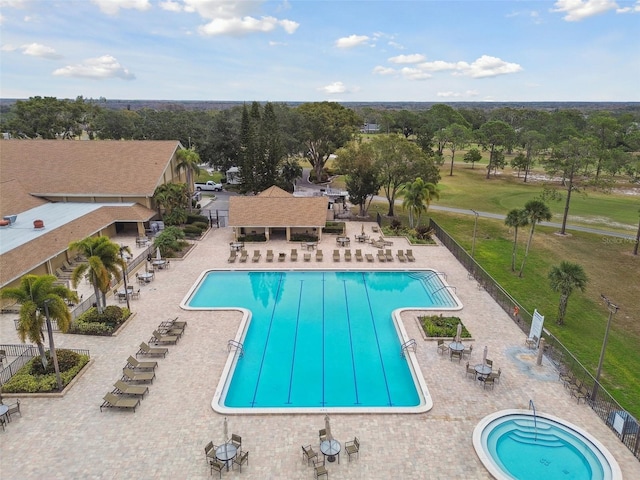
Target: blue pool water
(525,449)
(323,338)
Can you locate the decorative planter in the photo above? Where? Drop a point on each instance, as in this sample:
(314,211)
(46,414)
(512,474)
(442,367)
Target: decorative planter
(38,224)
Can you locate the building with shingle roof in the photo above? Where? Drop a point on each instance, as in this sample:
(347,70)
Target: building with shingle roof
(77,189)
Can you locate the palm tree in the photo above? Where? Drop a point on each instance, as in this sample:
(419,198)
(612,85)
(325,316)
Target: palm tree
(33,292)
(536,211)
(103,262)
(189,161)
(417,198)
(564,279)
(515,219)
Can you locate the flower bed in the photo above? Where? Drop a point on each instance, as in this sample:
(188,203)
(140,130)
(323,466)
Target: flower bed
(437,326)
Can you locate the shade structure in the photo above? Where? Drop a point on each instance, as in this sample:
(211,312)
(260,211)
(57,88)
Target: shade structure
(459,332)
(158,256)
(362,229)
(484,355)
(225,427)
(327,427)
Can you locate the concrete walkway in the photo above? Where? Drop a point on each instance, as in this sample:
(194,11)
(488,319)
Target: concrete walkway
(69,438)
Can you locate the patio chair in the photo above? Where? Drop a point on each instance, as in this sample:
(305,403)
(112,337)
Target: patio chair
(210,451)
(3,422)
(256,256)
(369,257)
(489,362)
(240,458)
(157,338)
(269,256)
(308,452)
(134,364)
(381,256)
(282,256)
(322,433)
(319,255)
(410,256)
(13,409)
(467,351)
(217,466)
(359,255)
(129,375)
(442,347)
(124,388)
(455,354)
(294,255)
(389,255)
(152,352)
(135,295)
(232,256)
(236,440)
(347,255)
(243,256)
(401,256)
(489,382)
(307,257)
(336,255)
(141,281)
(495,375)
(470,371)
(319,469)
(352,447)
(111,400)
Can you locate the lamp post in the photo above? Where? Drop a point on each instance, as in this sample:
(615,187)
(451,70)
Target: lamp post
(124,277)
(52,348)
(613,308)
(475,229)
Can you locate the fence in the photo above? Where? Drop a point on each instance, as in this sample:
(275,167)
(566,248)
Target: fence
(22,354)
(625,426)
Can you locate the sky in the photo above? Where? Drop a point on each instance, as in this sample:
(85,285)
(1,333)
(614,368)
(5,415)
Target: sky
(316,50)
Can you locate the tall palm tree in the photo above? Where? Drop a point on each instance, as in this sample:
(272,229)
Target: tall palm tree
(103,263)
(33,292)
(515,219)
(564,279)
(536,211)
(189,161)
(417,198)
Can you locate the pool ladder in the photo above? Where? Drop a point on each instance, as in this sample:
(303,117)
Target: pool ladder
(407,345)
(237,345)
(535,423)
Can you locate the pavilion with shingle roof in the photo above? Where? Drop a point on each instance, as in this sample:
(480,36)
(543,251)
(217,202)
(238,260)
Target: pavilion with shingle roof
(276,213)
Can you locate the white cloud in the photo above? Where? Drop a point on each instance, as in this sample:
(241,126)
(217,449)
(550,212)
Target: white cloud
(632,9)
(38,50)
(415,74)
(413,58)
(334,88)
(7,47)
(289,26)
(171,6)
(105,66)
(577,10)
(245,25)
(352,41)
(437,66)
(467,94)
(112,7)
(380,70)
(393,44)
(487,66)
(14,3)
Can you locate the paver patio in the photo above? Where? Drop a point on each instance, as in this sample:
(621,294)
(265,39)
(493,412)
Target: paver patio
(69,438)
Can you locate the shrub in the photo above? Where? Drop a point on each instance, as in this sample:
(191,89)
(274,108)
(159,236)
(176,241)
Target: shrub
(191,218)
(334,227)
(192,230)
(201,225)
(26,381)
(303,237)
(395,225)
(439,326)
(253,237)
(424,232)
(93,323)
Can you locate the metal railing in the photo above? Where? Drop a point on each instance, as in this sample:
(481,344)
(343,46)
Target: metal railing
(625,426)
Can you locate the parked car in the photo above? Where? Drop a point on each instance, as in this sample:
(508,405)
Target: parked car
(210,186)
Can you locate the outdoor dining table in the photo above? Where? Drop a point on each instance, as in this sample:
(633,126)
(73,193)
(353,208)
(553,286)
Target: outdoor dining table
(456,346)
(482,370)
(330,448)
(343,241)
(309,245)
(3,410)
(236,246)
(362,238)
(159,263)
(146,276)
(226,453)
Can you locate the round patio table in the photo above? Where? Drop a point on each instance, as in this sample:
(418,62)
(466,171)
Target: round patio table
(482,370)
(331,448)
(226,453)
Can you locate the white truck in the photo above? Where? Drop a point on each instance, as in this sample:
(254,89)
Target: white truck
(210,186)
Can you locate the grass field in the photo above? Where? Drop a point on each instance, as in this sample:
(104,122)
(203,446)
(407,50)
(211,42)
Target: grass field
(609,263)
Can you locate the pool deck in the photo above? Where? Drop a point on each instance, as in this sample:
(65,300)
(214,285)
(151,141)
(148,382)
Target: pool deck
(165,437)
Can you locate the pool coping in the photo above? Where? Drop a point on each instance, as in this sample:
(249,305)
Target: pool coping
(499,473)
(426,401)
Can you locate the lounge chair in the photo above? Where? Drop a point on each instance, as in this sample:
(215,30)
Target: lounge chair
(347,255)
(308,452)
(240,458)
(336,255)
(134,364)
(369,257)
(124,388)
(387,243)
(111,400)
(389,255)
(307,257)
(152,351)
(381,256)
(401,256)
(269,256)
(232,256)
(158,338)
(359,257)
(374,228)
(282,257)
(377,243)
(352,447)
(319,255)
(410,256)
(256,256)
(294,255)
(243,256)
(129,375)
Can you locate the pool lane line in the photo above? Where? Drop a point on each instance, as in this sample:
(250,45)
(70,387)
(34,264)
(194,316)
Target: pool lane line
(384,373)
(353,360)
(322,400)
(295,343)
(266,340)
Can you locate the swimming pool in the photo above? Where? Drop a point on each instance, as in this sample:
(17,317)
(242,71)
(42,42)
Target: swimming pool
(321,340)
(513,444)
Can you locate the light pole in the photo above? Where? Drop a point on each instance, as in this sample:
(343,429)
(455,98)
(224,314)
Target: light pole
(475,229)
(52,347)
(124,276)
(613,308)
